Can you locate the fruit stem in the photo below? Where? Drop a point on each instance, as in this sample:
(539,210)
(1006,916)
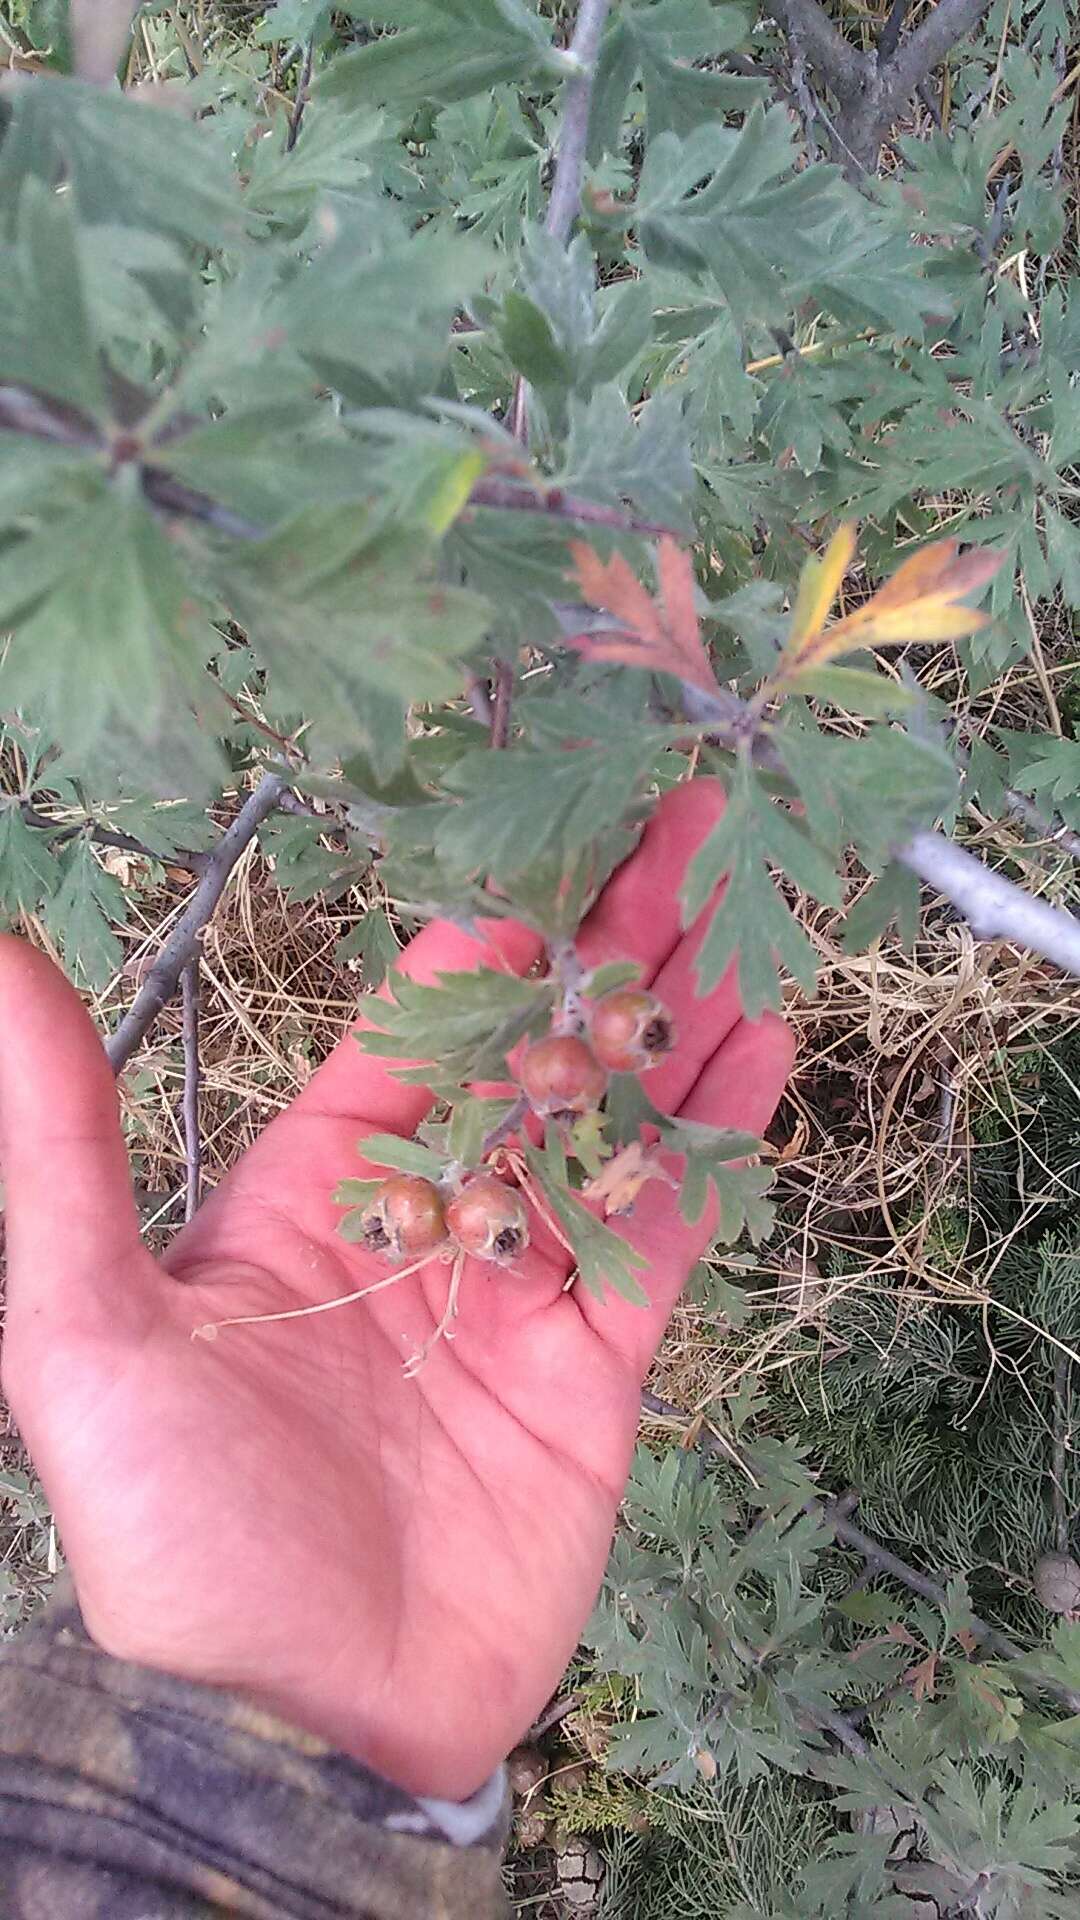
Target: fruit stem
(509,1124)
(563,962)
(209,1329)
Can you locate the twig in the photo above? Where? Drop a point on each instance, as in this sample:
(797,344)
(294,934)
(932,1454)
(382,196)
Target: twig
(517,416)
(503,704)
(995,908)
(1053,830)
(479,698)
(938,32)
(189,990)
(838,62)
(506,496)
(883,1561)
(556,1711)
(108,837)
(163,490)
(1057,1463)
(303,87)
(164,976)
(872,89)
(562,211)
(100,30)
(24,411)
(584,47)
(889,38)
(833,1515)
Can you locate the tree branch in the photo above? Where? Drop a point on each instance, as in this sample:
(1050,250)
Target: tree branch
(565,201)
(1054,831)
(509,1124)
(189,988)
(107,837)
(995,908)
(839,64)
(502,706)
(883,1561)
(303,88)
(889,38)
(917,55)
(100,30)
(508,496)
(164,976)
(163,490)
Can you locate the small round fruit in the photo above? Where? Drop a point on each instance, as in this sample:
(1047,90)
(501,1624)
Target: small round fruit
(562,1077)
(488,1220)
(631,1030)
(404,1218)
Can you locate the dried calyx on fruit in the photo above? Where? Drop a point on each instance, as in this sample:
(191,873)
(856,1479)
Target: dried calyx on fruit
(631,1030)
(488,1220)
(404,1218)
(562,1077)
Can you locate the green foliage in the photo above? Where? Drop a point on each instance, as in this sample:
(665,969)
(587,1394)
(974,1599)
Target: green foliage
(255,378)
(259,359)
(459,1029)
(744,1626)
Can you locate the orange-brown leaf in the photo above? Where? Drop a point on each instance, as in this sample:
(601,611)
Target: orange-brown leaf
(923,1677)
(662,636)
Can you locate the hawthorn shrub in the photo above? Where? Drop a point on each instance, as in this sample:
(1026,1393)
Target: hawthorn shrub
(451,419)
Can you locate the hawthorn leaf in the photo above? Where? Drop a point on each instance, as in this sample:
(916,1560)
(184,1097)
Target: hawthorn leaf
(604,1259)
(518,810)
(374,943)
(126,161)
(1052,775)
(464,1023)
(110,571)
(752,920)
(406,1156)
(443,51)
(47,341)
(922,601)
(893,896)
(661,636)
(81,913)
(28,870)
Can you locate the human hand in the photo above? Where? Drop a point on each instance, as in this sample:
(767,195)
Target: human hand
(400,1565)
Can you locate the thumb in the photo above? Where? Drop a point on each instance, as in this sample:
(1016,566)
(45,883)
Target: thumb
(72,1228)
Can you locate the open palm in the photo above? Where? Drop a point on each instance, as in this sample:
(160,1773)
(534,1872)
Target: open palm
(400,1565)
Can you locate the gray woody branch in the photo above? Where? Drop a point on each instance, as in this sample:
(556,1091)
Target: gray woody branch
(872,89)
(996,908)
(565,198)
(182,944)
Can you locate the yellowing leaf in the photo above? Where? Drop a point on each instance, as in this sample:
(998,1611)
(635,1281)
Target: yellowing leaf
(618,1184)
(662,637)
(922,601)
(448,496)
(819,586)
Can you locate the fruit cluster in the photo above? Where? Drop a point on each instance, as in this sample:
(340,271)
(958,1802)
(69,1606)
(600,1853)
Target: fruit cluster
(562,1076)
(408,1217)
